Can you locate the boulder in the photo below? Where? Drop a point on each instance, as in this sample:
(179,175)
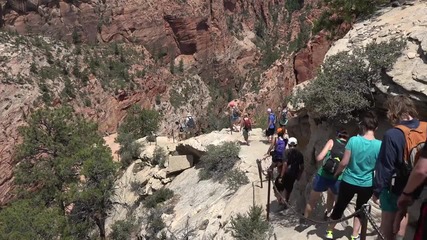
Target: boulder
(179,163)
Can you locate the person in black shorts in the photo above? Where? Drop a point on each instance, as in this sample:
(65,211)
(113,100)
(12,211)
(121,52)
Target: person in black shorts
(292,168)
(269,132)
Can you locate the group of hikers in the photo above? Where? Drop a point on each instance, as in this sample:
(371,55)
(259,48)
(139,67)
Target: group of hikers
(391,172)
(246,122)
(186,128)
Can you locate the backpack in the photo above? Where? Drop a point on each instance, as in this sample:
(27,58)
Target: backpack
(415,141)
(247,124)
(283,118)
(190,122)
(280,147)
(330,165)
(235,113)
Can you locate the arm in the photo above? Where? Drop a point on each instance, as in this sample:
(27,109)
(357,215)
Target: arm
(326,148)
(271,147)
(284,169)
(344,162)
(417,178)
(387,159)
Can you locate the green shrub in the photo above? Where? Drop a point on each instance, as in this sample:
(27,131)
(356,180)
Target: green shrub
(122,230)
(218,160)
(345,11)
(130,150)
(250,225)
(343,87)
(236,178)
(293,5)
(155,223)
(158,197)
(137,124)
(159,157)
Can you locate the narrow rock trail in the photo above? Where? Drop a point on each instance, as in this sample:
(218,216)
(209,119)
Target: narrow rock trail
(285,222)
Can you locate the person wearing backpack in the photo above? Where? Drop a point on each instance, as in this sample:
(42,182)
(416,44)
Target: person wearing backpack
(277,153)
(357,167)
(246,126)
(283,117)
(190,124)
(324,179)
(235,115)
(392,169)
(417,179)
(292,168)
(271,125)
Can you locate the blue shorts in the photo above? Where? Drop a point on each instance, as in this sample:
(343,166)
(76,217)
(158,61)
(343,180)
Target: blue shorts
(322,184)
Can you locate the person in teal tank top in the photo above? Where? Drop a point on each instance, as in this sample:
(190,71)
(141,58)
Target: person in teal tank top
(357,168)
(324,181)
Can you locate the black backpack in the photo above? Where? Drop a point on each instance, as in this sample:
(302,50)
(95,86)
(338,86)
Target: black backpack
(330,165)
(190,122)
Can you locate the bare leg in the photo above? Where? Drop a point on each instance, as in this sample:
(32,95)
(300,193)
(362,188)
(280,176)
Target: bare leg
(314,197)
(403,224)
(330,200)
(387,219)
(356,226)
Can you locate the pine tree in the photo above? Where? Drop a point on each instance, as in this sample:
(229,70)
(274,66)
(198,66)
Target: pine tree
(66,172)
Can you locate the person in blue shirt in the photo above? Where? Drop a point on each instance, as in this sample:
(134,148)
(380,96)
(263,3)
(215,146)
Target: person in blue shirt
(271,125)
(402,111)
(360,156)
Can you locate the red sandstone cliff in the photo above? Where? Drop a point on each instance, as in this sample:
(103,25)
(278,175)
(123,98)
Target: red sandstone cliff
(216,41)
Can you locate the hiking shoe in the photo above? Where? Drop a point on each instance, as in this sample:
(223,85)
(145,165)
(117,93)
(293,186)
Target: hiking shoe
(304,223)
(355,238)
(329,235)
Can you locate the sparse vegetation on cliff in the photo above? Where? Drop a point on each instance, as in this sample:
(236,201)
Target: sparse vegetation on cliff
(251,225)
(64,178)
(218,160)
(340,11)
(137,124)
(346,82)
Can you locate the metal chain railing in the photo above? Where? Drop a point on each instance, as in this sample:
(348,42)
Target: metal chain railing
(316,221)
(372,222)
(364,212)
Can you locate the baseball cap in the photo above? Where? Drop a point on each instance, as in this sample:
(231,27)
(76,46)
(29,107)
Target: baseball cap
(269,110)
(293,141)
(279,130)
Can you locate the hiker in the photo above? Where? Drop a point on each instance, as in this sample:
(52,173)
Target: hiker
(389,177)
(246,126)
(291,169)
(235,115)
(360,156)
(277,153)
(269,132)
(190,125)
(416,181)
(277,149)
(283,121)
(324,180)
(181,130)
